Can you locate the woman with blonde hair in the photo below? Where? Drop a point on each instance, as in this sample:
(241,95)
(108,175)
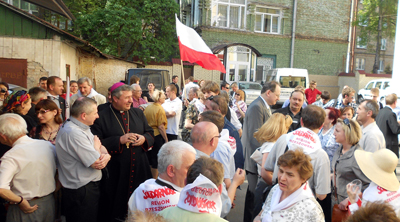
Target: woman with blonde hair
(157,119)
(277,125)
(344,164)
(239,106)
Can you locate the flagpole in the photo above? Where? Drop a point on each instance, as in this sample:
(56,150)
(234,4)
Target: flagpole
(183,76)
(67,100)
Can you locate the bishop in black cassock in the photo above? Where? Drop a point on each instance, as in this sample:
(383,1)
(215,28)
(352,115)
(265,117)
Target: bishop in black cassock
(128,167)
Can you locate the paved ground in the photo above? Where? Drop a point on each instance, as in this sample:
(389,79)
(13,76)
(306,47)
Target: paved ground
(236,214)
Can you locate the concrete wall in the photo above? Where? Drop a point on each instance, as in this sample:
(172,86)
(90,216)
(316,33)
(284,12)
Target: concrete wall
(357,82)
(103,72)
(46,57)
(328,83)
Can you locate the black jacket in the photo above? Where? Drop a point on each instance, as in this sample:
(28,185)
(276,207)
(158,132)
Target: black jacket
(387,123)
(296,118)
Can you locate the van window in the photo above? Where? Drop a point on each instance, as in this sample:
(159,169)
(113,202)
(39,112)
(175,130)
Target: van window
(292,81)
(386,84)
(369,86)
(146,79)
(255,86)
(378,85)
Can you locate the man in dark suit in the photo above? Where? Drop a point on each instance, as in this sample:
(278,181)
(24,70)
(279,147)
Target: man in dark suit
(387,123)
(175,82)
(55,87)
(256,115)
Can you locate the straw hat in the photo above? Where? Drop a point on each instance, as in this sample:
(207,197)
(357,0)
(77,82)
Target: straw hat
(379,167)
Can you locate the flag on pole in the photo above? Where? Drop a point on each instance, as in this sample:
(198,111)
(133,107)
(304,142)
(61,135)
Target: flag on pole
(194,49)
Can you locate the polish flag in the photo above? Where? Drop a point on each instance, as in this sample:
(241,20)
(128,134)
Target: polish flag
(194,49)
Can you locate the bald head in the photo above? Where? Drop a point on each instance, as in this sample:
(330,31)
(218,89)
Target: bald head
(204,137)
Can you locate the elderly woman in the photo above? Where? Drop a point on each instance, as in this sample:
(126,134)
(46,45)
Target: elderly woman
(292,199)
(3,92)
(157,119)
(344,164)
(147,95)
(50,120)
(239,106)
(19,102)
(269,132)
(326,136)
(191,114)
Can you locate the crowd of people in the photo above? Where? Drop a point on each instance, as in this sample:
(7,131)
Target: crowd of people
(181,153)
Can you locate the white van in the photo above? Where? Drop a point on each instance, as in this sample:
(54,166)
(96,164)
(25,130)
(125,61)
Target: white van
(289,78)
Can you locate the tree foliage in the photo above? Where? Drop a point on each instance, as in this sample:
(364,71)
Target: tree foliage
(143,29)
(377,20)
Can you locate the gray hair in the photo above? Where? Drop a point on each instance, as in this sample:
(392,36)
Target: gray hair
(83,80)
(172,153)
(36,93)
(195,90)
(156,95)
(118,91)
(82,105)
(225,95)
(371,105)
(234,84)
(12,126)
(134,85)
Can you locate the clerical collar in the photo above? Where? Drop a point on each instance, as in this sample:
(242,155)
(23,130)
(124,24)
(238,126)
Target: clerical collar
(116,110)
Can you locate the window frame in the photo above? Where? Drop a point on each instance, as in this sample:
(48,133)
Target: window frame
(381,65)
(383,44)
(358,43)
(359,62)
(241,18)
(279,15)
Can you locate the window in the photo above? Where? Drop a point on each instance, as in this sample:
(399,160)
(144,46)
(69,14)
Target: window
(263,66)
(381,65)
(361,43)
(360,64)
(378,85)
(229,14)
(31,8)
(268,20)
(369,86)
(383,44)
(292,81)
(385,85)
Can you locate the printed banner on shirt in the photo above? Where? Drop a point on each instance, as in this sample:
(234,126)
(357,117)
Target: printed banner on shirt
(376,193)
(201,196)
(153,197)
(305,139)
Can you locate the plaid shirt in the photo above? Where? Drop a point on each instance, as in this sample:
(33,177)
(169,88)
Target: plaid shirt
(319,103)
(341,105)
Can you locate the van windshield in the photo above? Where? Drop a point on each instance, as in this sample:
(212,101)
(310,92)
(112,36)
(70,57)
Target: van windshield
(292,81)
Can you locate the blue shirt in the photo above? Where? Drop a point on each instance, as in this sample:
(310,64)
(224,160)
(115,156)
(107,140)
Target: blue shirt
(239,159)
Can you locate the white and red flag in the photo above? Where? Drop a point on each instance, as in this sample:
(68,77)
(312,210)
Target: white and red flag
(194,49)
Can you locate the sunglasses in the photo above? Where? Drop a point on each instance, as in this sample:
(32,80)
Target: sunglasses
(211,98)
(3,90)
(347,123)
(237,94)
(42,111)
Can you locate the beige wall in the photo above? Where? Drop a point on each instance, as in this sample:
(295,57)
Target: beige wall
(328,83)
(46,57)
(68,55)
(358,82)
(103,72)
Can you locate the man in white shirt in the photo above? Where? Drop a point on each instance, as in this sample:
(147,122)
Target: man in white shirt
(27,173)
(174,160)
(173,110)
(86,90)
(372,138)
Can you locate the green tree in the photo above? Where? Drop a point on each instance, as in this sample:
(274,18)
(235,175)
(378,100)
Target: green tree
(379,16)
(143,29)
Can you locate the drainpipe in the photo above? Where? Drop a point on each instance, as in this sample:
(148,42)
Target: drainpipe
(395,70)
(350,38)
(293,32)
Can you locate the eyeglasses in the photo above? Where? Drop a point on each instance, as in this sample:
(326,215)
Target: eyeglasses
(219,136)
(347,122)
(42,111)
